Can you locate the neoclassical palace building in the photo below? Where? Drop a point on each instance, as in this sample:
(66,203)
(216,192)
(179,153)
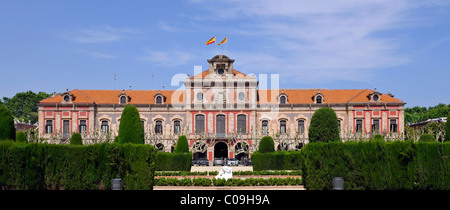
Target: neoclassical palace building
(222,111)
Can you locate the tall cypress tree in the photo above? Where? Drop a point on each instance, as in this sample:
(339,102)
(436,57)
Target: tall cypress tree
(7,129)
(130,128)
(324,126)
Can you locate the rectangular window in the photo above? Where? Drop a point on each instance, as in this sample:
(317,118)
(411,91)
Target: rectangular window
(301,126)
(82,127)
(339,125)
(376,126)
(49,126)
(393,126)
(242,123)
(359,126)
(105,126)
(66,128)
(283,126)
(176,127)
(264,127)
(199,123)
(158,127)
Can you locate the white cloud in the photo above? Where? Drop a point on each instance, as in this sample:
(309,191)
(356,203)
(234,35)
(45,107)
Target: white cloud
(97,34)
(319,40)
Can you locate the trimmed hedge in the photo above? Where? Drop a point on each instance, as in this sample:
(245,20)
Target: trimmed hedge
(280,160)
(324,126)
(166,161)
(76,139)
(376,165)
(7,129)
(230,182)
(21,136)
(266,145)
(182,145)
(74,167)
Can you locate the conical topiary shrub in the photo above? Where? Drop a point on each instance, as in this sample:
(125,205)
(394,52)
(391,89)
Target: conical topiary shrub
(130,128)
(76,139)
(182,145)
(266,145)
(324,126)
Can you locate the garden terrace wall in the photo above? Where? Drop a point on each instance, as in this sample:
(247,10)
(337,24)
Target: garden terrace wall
(75,167)
(377,165)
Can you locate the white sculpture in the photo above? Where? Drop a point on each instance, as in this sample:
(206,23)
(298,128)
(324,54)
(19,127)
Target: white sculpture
(226,173)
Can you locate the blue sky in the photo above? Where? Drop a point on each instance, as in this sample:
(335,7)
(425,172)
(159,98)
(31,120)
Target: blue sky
(402,46)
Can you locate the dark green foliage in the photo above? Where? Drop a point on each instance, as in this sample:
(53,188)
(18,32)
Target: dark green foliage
(426,137)
(378,137)
(182,145)
(24,105)
(7,129)
(173,161)
(76,139)
(21,137)
(280,160)
(324,126)
(69,167)
(376,165)
(229,182)
(419,114)
(447,129)
(130,128)
(266,145)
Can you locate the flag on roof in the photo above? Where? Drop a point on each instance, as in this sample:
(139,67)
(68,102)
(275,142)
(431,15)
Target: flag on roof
(223,41)
(212,40)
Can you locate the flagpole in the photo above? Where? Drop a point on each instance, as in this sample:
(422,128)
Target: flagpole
(226,45)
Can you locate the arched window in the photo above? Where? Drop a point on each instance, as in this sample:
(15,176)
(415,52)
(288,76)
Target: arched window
(282,99)
(123,100)
(319,99)
(158,127)
(199,123)
(158,99)
(282,126)
(265,126)
(105,126)
(176,127)
(242,123)
(301,126)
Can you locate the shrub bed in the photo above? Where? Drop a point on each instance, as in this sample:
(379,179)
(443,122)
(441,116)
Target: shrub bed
(280,160)
(173,161)
(376,165)
(230,182)
(75,167)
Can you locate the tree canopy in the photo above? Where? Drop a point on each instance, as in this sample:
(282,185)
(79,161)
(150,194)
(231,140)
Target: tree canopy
(419,114)
(24,105)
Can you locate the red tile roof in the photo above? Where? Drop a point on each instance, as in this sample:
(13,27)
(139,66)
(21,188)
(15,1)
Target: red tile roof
(294,96)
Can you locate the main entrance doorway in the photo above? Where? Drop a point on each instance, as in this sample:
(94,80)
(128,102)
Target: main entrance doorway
(220,150)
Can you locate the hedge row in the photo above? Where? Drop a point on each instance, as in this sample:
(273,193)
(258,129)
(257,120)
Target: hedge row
(377,165)
(235,173)
(280,160)
(173,161)
(229,182)
(74,167)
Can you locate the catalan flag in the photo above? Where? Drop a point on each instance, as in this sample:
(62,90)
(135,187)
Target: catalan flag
(212,40)
(223,41)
